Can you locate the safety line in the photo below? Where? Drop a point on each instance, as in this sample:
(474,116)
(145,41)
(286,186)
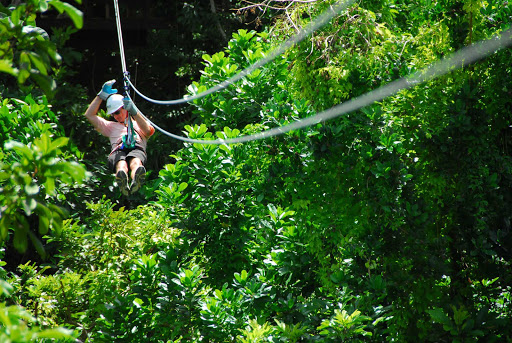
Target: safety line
(320,21)
(120,36)
(128,120)
(455,61)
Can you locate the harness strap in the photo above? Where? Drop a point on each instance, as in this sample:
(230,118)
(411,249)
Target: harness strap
(129,139)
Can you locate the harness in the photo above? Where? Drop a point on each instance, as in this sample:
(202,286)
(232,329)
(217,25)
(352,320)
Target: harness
(129,139)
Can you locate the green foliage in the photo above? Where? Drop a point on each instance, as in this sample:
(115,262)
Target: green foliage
(356,174)
(260,97)
(26,51)
(219,207)
(25,120)
(214,185)
(388,224)
(461,326)
(113,286)
(256,333)
(344,326)
(17,324)
(358,52)
(38,174)
(27,183)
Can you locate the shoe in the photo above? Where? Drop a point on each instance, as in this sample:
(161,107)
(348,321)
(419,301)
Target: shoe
(122,182)
(138,180)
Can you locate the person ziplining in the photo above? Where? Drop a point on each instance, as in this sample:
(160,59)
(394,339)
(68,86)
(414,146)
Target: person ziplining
(128,138)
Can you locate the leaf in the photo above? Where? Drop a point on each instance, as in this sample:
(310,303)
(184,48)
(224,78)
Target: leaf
(29,205)
(23,75)
(440,317)
(487,283)
(182,186)
(6,67)
(20,236)
(16,15)
(36,32)
(59,142)
(31,189)
(74,13)
(38,63)
(5,224)
(37,244)
(138,302)
(45,82)
(43,6)
(57,224)
(5,287)
(50,185)
(201,130)
(57,333)
(273,211)
(49,49)
(44,224)
(22,149)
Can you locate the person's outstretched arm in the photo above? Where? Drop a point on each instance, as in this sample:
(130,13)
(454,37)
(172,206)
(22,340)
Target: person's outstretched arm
(94,106)
(91,113)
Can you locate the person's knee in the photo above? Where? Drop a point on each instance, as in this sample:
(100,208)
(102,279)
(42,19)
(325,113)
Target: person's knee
(121,164)
(135,162)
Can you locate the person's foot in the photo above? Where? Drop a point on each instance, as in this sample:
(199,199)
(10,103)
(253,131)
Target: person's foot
(138,180)
(122,182)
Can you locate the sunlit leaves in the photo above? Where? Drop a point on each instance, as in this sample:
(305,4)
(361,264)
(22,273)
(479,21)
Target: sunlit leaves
(26,51)
(6,67)
(28,182)
(15,326)
(248,100)
(344,326)
(63,7)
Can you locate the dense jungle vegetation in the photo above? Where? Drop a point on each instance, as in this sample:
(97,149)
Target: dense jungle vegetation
(388,224)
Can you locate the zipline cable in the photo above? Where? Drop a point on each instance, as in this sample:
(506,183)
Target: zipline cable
(120,39)
(320,21)
(457,60)
(129,138)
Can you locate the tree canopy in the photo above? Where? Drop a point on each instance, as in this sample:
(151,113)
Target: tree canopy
(388,223)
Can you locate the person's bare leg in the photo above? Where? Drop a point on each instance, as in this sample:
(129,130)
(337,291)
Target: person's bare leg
(134,164)
(122,165)
(122,177)
(138,174)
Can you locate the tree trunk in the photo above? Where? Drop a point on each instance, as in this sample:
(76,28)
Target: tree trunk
(217,22)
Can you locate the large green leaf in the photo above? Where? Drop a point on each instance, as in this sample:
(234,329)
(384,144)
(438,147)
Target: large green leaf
(6,67)
(38,63)
(58,143)
(47,84)
(36,242)
(20,234)
(16,15)
(57,333)
(74,13)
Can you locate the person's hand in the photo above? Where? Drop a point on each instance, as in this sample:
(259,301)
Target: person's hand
(130,107)
(107,90)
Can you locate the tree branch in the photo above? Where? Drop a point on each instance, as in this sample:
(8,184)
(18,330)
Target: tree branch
(276,5)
